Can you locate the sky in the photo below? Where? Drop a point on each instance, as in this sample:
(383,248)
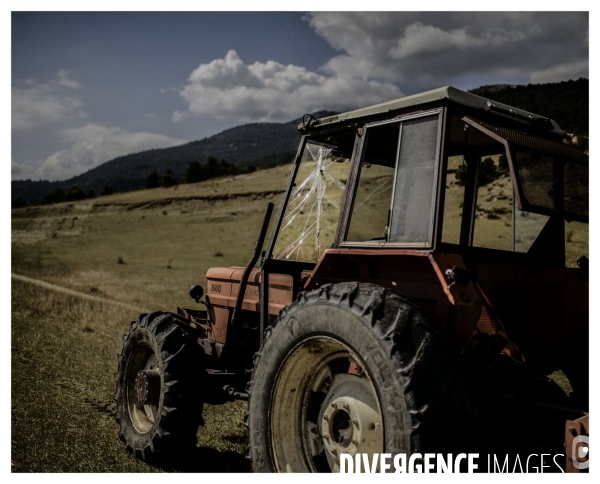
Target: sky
(87,87)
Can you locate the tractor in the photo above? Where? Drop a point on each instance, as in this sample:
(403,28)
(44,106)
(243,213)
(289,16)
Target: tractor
(414,295)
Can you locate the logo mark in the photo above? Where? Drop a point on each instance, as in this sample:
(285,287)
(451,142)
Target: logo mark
(581,454)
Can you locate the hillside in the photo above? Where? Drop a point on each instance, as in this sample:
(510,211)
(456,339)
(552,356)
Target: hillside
(270,144)
(565,102)
(260,144)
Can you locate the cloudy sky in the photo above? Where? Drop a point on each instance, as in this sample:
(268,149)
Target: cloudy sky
(88,87)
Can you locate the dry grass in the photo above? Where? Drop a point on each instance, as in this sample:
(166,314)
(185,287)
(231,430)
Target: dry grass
(124,247)
(64,348)
(63,358)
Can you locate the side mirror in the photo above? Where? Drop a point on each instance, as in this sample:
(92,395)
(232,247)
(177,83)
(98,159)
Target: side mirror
(196,292)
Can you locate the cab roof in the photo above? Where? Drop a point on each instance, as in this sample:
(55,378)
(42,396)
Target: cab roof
(447,92)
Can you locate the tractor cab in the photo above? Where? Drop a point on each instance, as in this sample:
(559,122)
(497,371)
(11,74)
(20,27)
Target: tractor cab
(455,200)
(452,199)
(443,170)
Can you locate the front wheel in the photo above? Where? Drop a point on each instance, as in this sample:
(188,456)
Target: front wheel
(353,368)
(158,383)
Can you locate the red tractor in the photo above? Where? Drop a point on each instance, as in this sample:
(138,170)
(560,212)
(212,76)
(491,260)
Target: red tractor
(414,294)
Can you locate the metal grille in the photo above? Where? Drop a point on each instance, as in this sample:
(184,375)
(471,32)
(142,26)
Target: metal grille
(486,324)
(533,162)
(534,171)
(537,143)
(489,324)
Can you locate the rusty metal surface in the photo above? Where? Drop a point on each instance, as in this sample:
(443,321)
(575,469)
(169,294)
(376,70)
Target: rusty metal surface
(575,429)
(280,291)
(539,311)
(223,286)
(489,323)
(219,321)
(460,293)
(324,265)
(417,274)
(219,284)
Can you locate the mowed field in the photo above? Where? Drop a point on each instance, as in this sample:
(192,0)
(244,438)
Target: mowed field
(130,253)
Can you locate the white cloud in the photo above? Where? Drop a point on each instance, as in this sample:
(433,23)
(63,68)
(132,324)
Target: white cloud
(419,38)
(36,103)
(21,171)
(573,70)
(92,145)
(381,50)
(63,80)
(229,88)
(435,47)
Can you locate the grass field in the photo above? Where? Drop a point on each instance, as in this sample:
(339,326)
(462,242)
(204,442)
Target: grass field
(63,357)
(142,249)
(64,347)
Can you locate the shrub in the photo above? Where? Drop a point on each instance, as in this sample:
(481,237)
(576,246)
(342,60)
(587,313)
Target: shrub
(461,174)
(75,193)
(153,180)
(194,173)
(503,162)
(107,190)
(168,179)
(487,171)
(19,202)
(55,196)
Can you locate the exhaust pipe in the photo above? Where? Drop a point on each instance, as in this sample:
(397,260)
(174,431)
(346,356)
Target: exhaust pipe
(257,250)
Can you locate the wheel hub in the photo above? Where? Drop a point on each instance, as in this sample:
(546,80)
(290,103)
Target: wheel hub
(350,420)
(341,429)
(147,387)
(319,410)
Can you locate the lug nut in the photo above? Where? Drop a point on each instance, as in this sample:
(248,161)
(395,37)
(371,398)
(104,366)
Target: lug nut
(326,417)
(355,422)
(355,441)
(334,405)
(347,407)
(334,452)
(326,436)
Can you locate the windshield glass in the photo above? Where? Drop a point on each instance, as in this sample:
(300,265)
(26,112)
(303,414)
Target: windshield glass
(311,216)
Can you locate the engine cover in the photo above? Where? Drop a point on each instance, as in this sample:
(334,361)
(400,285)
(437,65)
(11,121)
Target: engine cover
(223,284)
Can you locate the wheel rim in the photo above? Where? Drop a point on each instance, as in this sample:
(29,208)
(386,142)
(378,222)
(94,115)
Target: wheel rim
(142,416)
(323,404)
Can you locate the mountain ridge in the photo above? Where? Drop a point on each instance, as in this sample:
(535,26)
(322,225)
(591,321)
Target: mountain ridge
(269,144)
(260,144)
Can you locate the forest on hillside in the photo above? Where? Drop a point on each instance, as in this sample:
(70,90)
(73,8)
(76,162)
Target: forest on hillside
(566,102)
(264,145)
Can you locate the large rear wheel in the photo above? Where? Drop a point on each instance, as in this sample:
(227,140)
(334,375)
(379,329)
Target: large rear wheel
(353,368)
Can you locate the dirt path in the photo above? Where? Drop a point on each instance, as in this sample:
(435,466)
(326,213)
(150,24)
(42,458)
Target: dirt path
(71,292)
